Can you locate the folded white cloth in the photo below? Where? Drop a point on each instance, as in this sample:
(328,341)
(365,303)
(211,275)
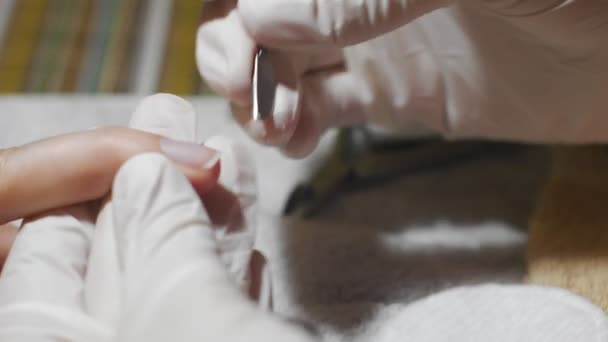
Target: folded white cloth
(497,313)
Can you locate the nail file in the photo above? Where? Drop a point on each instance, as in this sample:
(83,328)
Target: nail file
(264,85)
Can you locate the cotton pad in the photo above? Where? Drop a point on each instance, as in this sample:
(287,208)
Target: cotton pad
(499,313)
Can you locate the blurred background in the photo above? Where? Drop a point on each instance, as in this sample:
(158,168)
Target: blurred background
(99,46)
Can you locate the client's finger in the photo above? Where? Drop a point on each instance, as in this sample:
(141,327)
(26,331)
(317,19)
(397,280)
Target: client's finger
(78,167)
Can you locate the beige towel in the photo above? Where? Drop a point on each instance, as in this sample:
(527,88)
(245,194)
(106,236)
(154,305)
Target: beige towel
(568,243)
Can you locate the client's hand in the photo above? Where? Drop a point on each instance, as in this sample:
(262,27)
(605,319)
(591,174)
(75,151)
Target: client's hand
(80,167)
(147,263)
(149,271)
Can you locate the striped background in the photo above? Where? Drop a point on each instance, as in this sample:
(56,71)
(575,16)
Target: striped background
(99,46)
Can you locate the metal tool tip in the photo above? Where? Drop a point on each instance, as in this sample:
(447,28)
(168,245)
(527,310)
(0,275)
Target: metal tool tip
(264,85)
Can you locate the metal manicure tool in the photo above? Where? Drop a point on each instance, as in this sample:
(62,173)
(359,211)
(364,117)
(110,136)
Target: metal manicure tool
(264,85)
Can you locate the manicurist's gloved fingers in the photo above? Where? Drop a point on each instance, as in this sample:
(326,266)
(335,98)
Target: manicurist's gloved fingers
(167,115)
(330,98)
(48,258)
(231,204)
(305,39)
(308,23)
(232,208)
(175,284)
(78,167)
(224,52)
(163,114)
(41,285)
(225,57)
(163,235)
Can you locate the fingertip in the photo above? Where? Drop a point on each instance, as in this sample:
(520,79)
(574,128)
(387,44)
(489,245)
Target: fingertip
(167,115)
(224,56)
(275,130)
(267,132)
(298,151)
(238,172)
(252,17)
(305,138)
(203,180)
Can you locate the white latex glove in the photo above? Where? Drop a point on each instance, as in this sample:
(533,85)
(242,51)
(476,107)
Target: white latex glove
(171,283)
(153,267)
(174,287)
(531,70)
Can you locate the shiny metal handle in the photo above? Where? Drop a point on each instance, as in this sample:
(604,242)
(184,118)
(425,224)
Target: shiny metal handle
(264,85)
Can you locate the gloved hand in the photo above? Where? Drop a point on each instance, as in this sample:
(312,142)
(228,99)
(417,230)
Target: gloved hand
(161,278)
(149,265)
(78,167)
(524,70)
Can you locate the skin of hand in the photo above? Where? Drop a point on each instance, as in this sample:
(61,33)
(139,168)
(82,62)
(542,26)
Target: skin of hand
(80,167)
(531,70)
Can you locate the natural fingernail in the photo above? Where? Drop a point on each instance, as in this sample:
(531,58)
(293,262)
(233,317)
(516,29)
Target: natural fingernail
(193,155)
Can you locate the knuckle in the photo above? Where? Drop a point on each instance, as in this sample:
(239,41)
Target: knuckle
(107,141)
(113,146)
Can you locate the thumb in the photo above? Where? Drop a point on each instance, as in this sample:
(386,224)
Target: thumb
(175,286)
(288,23)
